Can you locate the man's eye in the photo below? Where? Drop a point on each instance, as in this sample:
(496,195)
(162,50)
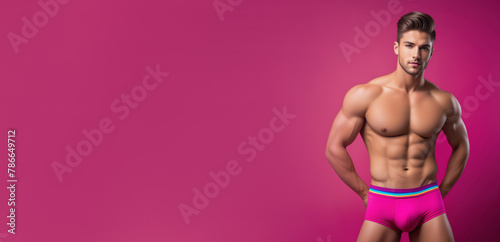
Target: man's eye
(408,46)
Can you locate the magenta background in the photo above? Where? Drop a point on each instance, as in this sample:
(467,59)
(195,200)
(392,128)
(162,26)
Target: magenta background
(226,77)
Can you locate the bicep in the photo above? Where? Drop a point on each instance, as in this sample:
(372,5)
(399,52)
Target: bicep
(454,127)
(344,129)
(456,132)
(351,117)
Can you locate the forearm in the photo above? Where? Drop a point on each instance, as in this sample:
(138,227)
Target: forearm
(344,167)
(456,166)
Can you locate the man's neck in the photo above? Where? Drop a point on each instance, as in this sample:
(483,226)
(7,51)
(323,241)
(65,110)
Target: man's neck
(407,82)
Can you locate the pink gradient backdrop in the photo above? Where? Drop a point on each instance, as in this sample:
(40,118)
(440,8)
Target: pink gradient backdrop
(225,79)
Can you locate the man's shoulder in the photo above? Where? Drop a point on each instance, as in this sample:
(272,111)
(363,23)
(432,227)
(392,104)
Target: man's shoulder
(370,89)
(359,97)
(381,80)
(363,93)
(444,98)
(438,93)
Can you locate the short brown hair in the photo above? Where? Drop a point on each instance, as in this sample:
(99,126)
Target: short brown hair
(416,21)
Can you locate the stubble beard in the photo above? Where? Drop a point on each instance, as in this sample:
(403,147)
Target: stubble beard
(424,65)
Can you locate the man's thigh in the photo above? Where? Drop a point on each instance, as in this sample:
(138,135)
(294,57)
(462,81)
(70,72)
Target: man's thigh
(436,229)
(371,231)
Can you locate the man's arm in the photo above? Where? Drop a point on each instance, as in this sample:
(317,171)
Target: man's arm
(345,128)
(456,134)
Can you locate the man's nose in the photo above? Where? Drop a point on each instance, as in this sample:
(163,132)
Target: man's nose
(416,53)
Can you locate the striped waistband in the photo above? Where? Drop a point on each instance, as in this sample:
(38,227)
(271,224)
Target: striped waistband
(410,192)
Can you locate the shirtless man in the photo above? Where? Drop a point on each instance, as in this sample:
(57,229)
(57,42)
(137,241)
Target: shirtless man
(399,117)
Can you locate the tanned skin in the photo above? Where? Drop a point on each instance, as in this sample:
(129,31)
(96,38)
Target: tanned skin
(399,117)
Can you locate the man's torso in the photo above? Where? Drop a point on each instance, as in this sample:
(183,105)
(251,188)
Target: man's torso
(400,132)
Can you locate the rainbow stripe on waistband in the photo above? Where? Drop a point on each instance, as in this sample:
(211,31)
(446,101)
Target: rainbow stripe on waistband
(411,192)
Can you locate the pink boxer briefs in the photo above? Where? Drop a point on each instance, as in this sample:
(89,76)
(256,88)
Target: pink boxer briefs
(404,209)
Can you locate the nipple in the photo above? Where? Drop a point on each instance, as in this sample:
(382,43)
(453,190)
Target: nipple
(384,130)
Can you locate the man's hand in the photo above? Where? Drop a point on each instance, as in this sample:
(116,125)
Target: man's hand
(365,199)
(443,192)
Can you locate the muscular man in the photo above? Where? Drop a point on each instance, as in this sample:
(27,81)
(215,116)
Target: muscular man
(399,117)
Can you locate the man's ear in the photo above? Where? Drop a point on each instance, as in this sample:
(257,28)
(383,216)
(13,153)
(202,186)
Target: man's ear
(396,47)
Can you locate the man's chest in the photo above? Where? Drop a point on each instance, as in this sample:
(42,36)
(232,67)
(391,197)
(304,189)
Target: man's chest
(396,114)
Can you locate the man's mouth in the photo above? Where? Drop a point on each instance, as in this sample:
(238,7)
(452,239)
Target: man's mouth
(414,63)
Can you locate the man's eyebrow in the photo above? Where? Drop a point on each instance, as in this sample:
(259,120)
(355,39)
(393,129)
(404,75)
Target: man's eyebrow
(408,42)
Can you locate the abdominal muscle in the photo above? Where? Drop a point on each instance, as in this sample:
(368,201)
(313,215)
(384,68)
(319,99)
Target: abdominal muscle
(405,161)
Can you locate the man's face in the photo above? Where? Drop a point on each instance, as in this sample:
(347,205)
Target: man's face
(414,51)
